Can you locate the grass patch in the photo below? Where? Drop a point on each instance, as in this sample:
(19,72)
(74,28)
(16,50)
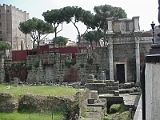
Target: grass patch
(52,114)
(83,110)
(39,90)
(33,116)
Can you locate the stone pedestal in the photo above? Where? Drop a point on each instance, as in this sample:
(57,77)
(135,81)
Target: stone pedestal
(90,78)
(94,94)
(102,75)
(15,82)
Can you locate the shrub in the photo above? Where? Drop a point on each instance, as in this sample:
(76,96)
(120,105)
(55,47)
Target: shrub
(82,65)
(114,108)
(67,64)
(97,68)
(90,61)
(72,62)
(29,67)
(36,64)
(122,108)
(122,116)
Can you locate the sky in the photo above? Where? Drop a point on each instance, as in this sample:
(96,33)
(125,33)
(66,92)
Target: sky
(147,10)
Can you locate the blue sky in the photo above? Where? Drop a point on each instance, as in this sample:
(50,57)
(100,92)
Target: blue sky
(147,10)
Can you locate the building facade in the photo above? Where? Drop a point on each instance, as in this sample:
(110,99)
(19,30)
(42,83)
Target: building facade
(124,55)
(10,17)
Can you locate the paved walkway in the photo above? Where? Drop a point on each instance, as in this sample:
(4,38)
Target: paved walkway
(128,99)
(138,113)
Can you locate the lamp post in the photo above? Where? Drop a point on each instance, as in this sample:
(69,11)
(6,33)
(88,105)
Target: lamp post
(152,25)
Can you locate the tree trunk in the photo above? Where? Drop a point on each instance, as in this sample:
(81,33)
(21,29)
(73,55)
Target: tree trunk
(55,37)
(79,35)
(91,45)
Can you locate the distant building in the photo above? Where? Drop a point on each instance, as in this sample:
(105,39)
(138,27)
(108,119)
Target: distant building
(71,43)
(10,17)
(46,41)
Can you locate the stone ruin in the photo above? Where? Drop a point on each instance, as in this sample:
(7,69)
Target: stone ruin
(58,68)
(102,86)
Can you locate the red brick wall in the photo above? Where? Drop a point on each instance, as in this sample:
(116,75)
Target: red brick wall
(21,55)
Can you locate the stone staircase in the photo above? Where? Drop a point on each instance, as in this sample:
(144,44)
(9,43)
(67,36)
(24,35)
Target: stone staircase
(95,108)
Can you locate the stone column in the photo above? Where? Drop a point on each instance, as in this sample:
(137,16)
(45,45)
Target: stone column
(111,65)
(152,83)
(137,59)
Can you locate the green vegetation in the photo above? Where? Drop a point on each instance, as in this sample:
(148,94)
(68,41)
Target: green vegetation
(36,64)
(81,65)
(122,108)
(90,61)
(83,110)
(36,28)
(97,67)
(118,116)
(43,90)
(54,113)
(29,67)
(96,21)
(114,108)
(69,63)
(14,67)
(60,40)
(4,45)
(117,108)
(117,112)
(32,116)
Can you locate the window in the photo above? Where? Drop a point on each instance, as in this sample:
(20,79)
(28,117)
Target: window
(0,39)
(0,16)
(0,32)
(0,24)
(7,10)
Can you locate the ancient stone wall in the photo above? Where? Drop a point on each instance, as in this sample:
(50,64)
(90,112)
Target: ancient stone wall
(144,50)
(8,103)
(61,68)
(101,58)
(47,67)
(39,103)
